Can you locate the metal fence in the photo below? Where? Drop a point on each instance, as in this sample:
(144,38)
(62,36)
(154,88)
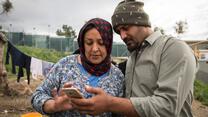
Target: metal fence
(58,43)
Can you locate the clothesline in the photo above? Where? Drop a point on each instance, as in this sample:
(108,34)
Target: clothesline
(30,64)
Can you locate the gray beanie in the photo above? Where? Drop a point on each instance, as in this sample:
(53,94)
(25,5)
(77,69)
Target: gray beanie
(130,12)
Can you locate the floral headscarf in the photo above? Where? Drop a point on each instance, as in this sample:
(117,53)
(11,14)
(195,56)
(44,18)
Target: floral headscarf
(105,30)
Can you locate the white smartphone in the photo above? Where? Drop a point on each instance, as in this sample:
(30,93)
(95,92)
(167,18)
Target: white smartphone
(73,92)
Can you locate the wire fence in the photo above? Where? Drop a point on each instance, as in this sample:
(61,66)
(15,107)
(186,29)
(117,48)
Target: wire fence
(62,44)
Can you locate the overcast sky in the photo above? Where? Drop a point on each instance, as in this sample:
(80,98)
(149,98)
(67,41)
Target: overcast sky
(46,16)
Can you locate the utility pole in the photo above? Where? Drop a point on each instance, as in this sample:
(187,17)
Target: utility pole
(49,42)
(23,37)
(10,34)
(33,36)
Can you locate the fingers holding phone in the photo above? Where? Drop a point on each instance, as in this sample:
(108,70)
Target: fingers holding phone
(68,85)
(73,92)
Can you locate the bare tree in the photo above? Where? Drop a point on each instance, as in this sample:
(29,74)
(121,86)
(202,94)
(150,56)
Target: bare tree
(3,72)
(181,27)
(7,6)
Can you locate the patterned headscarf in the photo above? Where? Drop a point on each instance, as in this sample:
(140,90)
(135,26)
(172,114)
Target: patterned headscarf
(105,30)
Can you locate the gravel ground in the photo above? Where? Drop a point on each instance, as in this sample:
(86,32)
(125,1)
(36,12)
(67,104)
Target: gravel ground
(20,104)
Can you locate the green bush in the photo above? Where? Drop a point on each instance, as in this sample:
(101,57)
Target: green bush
(44,54)
(201,92)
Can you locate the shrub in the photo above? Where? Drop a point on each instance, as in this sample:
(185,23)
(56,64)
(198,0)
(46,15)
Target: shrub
(201,92)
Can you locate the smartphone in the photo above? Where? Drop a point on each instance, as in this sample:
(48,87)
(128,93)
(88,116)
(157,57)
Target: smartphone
(73,92)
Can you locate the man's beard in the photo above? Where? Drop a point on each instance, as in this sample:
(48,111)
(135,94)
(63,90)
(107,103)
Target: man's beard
(131,44)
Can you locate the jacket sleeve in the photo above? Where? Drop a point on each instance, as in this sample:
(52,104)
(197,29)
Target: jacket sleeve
(174,86)
(43,92)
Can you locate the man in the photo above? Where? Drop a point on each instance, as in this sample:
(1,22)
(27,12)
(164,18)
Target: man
(160,71)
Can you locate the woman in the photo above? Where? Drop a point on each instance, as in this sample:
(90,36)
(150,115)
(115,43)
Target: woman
(91,67)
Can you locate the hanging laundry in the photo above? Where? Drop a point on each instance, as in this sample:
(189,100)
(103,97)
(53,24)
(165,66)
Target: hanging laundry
(18,59)
(46,66)
(36,68)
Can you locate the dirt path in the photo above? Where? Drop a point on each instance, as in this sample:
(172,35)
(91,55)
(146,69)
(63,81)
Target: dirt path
(17,105)
(199,110)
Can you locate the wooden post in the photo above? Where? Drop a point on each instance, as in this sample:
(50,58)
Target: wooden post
(3,72)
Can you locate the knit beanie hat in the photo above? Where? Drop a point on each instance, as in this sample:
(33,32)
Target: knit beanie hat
(130,12)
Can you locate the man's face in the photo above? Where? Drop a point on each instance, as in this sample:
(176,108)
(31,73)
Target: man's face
(131,35)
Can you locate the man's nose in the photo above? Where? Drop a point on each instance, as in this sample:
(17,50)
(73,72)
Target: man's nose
(123,34)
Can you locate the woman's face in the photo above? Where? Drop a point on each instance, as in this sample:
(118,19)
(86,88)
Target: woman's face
(95,50)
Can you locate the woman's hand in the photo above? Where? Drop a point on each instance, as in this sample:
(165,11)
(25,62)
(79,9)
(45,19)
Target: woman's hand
(60,101)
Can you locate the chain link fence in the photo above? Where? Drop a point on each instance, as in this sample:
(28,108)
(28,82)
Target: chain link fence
(62,44)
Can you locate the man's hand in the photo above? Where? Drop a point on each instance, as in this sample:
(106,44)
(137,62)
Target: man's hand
(95,105)
(102,102)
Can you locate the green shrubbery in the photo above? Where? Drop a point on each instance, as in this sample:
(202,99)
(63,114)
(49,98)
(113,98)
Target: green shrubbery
(44,54)
(201,92)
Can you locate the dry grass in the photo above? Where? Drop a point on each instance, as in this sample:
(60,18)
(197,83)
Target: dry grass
(19,102)
(199,110)
(14,106)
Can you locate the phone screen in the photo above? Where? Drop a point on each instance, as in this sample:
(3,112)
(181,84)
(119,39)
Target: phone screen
(73,92)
